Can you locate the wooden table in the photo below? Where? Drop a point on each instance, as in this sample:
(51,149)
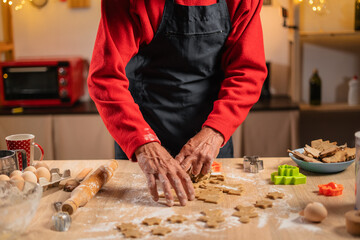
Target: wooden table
(125,199)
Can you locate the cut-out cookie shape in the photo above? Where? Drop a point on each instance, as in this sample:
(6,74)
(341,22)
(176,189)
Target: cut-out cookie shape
(263,204)
(160,231)
(132,233)
(177,219)
(151,221)
(244,213)
(129,230)
(211,195)
(212,218)
(212,212)
(275,195)
(125,226)
(212,221)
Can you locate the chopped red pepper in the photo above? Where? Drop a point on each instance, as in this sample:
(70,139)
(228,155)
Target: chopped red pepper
(216,167)
(331,189)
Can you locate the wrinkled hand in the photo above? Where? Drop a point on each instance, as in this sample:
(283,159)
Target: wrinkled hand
(200,151)
(157,163)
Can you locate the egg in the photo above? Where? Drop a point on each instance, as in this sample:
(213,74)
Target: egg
(15,173)
(41,164)
(31,169)
(315,212)
(29,177)
(43,172)
(4,178)
(18,181)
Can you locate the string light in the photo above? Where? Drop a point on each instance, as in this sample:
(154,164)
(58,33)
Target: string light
(17,4)
(317,6)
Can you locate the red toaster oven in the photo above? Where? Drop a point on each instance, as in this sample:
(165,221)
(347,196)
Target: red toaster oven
(41,82)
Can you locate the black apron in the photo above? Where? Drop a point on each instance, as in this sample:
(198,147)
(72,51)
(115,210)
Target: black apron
(176,78)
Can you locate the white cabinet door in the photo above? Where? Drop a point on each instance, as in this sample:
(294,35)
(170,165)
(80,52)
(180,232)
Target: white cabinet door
(270,133)
(39,125)
(82,137)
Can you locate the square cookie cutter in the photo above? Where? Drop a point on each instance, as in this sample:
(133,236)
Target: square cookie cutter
(253,164)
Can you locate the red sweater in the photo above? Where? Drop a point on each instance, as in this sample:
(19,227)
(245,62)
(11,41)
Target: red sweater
(126,25)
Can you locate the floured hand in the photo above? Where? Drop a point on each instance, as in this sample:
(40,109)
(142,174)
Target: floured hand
(157,163)
(200,151)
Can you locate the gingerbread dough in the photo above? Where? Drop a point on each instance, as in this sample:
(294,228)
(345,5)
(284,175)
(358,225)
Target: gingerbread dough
(212,218)
(275,195)
(151,221)
(129,230)
(160,231)
(177,219)
(264,203)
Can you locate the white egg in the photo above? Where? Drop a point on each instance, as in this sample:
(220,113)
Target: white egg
(43,172)
(31,169)
(41,164)
(15,173)
(18,181)
(29,177)
(4,178)
(315,212)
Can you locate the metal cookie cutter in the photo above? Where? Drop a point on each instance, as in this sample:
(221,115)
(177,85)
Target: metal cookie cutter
(61,220)
(253,164)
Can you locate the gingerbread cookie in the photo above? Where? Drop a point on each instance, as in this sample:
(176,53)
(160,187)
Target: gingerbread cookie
(275,195)
(212,212)
(125,226)
(244,213)
(151,221)
(129,230)
(132,233)
(177,219)
(212,218)
(263,204)
(160,231)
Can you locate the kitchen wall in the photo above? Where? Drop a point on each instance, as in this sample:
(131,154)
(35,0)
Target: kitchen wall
(336,55)
(57,30)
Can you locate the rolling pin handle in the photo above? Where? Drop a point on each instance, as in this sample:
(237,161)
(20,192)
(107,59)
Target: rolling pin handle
(69,207)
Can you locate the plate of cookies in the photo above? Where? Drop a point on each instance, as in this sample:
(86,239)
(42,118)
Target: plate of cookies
(323,156)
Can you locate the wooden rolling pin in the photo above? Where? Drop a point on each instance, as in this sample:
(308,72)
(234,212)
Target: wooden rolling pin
(89,187)
(71,184)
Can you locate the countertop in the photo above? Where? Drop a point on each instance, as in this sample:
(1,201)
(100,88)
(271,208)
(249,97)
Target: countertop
(277,103)
(125,199)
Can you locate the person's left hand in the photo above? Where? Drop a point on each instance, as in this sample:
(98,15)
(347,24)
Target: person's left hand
(200,151)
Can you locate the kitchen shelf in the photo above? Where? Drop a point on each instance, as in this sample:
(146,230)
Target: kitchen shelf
(334,107)
(343,40)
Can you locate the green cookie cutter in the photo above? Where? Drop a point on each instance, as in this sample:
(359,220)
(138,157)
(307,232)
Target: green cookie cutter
(288,175)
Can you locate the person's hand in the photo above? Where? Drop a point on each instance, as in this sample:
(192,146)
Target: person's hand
(200,151)
(157,163)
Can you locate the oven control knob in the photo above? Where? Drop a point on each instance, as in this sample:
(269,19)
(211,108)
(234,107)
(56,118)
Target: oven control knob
(62,71)
(63,82)
(64,93)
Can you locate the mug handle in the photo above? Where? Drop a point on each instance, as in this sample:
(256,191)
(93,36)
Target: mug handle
(41,150)
(23,156)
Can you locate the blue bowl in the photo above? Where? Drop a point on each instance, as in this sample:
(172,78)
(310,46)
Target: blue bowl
(320,167)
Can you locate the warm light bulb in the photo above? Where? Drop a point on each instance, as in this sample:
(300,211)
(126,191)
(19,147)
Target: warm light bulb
(10,3)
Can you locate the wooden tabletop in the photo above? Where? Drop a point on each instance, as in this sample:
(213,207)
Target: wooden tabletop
(125,199)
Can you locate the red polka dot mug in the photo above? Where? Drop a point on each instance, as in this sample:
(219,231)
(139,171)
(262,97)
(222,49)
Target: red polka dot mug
(26,142)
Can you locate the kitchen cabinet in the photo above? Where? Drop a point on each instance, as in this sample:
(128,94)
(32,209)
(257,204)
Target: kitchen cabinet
(40,126)
(78,132)
(334,122)
(267,134)
(81,136)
